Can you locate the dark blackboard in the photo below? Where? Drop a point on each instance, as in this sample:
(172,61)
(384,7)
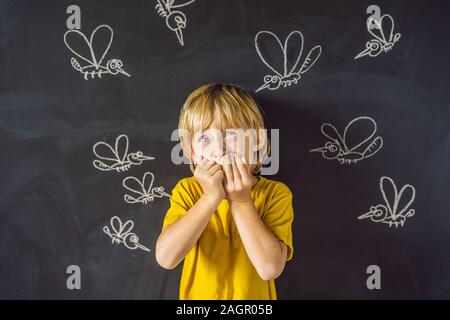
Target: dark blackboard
(55,203)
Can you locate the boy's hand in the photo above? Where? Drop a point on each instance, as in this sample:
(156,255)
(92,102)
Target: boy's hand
(238,179)
(210,176)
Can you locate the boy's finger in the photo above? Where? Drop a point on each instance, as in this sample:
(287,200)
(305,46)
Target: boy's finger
(241,166)
(228,169)
(208,164)
(211,171)
(247,164)
(219,173)
(236,174)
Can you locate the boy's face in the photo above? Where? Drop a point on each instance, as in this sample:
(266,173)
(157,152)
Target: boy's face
(214,143)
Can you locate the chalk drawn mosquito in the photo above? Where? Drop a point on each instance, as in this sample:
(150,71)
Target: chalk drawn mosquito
(339,146)
(289,73)
(94,67)
(384,37)
(143,189)
(389,212)
(175,19)
(117,158)
(121,233)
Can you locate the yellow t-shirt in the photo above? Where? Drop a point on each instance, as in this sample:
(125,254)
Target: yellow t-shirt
(218,267)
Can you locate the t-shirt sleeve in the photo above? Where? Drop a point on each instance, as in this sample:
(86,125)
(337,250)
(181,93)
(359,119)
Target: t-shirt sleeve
(181,200)
(280,215)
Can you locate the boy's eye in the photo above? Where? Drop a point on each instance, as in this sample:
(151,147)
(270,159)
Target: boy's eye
(202,138)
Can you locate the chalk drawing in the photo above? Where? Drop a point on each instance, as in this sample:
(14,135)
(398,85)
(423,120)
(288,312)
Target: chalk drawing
(93,65)
(121,233)
(390,213)
(289,73)
(117,158)
(143,189)
(175,20)
(341,149)
(383,35)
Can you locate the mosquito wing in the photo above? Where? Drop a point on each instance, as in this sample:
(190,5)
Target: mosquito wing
(311,58)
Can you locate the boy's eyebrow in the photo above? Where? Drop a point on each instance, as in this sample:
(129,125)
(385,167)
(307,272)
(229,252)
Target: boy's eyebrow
(223,130)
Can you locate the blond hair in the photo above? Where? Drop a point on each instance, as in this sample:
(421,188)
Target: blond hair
(233,106)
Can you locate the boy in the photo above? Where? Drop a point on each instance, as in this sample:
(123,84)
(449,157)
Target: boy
(232,228)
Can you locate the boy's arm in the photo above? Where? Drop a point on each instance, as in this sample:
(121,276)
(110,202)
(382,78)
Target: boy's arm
(266,252)
(178,238)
